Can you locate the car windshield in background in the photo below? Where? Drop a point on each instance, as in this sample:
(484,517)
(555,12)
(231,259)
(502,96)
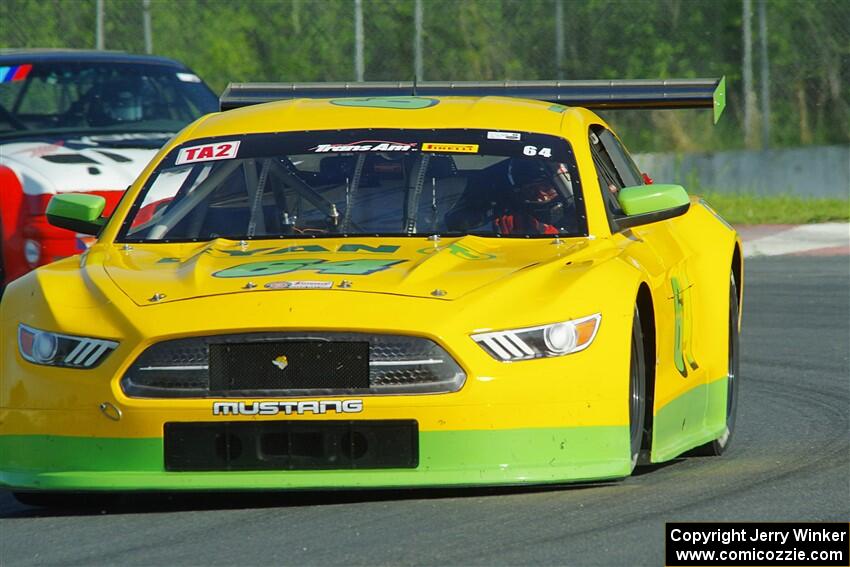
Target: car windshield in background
(361,182)
(100,97)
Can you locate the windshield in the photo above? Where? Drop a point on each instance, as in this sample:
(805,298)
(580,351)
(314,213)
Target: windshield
(99,97)
(361,182)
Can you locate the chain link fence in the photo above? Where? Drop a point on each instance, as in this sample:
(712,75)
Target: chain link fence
(791,56)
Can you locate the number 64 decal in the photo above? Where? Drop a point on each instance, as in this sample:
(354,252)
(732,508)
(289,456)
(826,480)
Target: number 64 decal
(362,267)
(535,151)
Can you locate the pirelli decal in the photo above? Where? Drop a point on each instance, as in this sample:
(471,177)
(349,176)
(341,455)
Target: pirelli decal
(453,148)
(317,407)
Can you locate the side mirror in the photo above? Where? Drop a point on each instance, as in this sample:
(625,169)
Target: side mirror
(644,204)
(77,211)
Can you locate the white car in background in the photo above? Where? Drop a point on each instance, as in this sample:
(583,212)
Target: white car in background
(85,122)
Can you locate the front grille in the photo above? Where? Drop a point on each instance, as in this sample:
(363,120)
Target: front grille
(292,364)
(291,445)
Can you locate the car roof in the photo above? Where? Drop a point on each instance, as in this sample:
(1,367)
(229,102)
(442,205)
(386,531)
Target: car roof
(491,112)
(19,56)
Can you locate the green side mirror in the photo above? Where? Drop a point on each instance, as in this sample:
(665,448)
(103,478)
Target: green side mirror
(644,204)
(77,211)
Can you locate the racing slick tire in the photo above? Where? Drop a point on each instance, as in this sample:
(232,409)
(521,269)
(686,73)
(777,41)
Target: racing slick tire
(637,391)
(718,446)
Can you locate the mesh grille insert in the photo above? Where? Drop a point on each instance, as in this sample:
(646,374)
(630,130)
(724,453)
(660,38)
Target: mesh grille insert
(292,364)
(288,365)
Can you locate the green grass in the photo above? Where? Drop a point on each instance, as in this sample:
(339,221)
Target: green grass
(780,209)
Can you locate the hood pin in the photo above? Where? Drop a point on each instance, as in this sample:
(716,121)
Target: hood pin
(157,297)
(439,292)
(345,284)
(249,285)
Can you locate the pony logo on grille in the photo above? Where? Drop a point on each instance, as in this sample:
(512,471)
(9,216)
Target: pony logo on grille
(281,362)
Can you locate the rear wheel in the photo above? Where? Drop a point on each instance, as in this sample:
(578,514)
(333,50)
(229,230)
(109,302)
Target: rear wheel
(719,445)
(637,390)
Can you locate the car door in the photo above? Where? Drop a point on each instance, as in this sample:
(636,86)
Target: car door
(667,260)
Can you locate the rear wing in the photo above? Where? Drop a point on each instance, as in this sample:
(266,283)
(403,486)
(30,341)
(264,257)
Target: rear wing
(617,94)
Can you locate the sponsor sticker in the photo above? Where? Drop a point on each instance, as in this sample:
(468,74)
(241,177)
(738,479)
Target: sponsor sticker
(300,284)
(455,148)
(84,241)
(208,152)
(189,77)
(515,136)
(14,73)
(365,146)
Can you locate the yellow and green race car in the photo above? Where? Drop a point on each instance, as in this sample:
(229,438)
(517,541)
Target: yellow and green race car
(364,287)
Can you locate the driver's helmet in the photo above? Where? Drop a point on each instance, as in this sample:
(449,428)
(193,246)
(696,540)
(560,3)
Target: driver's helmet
(534,191)
(119,101)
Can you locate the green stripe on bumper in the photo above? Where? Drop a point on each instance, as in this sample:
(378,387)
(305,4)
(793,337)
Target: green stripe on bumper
(517,456)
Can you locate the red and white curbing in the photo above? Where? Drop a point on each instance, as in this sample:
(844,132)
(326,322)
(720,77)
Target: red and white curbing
(826,239)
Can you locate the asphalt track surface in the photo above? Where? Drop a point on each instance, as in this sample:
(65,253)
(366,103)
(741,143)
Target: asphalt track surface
(789,461)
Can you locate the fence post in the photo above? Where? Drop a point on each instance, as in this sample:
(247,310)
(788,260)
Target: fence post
(765,76)
(749,94)
(417,41)
(559,39)
(358,40)
(146,22)
(98,33)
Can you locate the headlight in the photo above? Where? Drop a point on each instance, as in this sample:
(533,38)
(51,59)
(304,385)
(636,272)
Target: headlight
(555,339)
(53,349)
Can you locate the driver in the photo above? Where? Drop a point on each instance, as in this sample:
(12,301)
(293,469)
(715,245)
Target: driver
(534,205)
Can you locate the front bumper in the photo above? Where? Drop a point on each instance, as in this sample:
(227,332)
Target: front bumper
(446,458)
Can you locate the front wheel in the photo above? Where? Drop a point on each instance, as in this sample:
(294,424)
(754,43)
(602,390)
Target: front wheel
(719,445)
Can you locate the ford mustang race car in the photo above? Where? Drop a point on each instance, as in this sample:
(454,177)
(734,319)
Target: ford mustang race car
(358,287)
(80,121)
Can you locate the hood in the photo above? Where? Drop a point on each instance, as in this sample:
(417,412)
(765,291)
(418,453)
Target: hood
(447,269)
(88,163)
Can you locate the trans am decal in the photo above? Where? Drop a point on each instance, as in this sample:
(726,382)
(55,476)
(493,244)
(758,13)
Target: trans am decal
(273,268)
(287,408)
(366,146)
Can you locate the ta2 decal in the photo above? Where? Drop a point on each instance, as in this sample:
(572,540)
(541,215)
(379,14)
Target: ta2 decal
(208,152)
(394,102)
(361,267)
